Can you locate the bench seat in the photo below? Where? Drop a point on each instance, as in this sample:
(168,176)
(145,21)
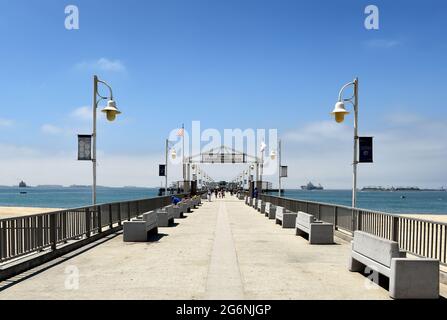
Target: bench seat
(285,218)
(165,217)
(416,278)
(139,229)
(270,210)
(319,232)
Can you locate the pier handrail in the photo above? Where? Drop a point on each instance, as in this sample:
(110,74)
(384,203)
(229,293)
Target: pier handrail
(25,235)
(420,237)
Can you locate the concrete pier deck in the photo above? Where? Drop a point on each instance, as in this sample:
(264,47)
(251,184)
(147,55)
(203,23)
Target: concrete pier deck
(224,250)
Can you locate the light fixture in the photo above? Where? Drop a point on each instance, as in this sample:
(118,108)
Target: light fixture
(273,155)
(111,110)
(339,112)
(173,154)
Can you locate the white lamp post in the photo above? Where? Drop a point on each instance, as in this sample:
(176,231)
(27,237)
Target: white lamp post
(173,156)
(339,113)
(111,111)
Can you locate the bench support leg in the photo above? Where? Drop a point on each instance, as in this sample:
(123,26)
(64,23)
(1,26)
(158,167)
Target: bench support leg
(355,266)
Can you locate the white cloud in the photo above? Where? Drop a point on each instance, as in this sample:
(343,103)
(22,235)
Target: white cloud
(409,151)
(102,64)
(382,43)
(50,129)
(83,113)
(6,122)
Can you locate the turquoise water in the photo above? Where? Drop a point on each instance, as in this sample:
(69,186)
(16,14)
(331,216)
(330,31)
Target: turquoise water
(45,197)
(414,202)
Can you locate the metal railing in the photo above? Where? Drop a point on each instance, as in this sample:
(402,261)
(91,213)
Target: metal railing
(417,236)
(20,236)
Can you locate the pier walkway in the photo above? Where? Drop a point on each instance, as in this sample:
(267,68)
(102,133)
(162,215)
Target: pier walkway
(224,250)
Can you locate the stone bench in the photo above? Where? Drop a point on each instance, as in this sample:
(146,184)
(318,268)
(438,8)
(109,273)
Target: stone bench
(185,206)
(255,203)
(285,218)
(259,205)
(319,232)
(413,278)
(270,210)
(262,209)
(175,210)
(165,217)
(195,202)
(138,229)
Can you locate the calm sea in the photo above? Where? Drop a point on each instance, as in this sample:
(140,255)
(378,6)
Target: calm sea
(44,197)
(393,202)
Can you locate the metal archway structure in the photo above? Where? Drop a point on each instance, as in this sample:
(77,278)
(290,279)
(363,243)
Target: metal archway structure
(223,155)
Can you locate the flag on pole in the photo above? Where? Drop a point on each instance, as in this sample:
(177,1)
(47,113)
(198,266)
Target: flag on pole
(181,132)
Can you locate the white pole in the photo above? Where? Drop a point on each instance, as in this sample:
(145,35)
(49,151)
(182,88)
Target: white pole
(95,91)
(356,138)
(279,168)
(166,168)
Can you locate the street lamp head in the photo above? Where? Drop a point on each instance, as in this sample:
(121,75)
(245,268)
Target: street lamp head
(339,112)
(111,110)
(173,154)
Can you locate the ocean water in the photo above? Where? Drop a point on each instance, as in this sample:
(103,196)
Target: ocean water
(392,202)
(414,202)
(49,197)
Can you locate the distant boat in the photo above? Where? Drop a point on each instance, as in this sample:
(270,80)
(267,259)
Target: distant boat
(311,186)
(22,185)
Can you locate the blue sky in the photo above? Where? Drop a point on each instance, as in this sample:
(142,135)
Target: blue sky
(229,64)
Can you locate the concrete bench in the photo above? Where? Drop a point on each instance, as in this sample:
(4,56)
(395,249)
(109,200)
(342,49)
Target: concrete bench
(270,210)
(259,205)
(185,206)
(262,209)
(175,210)
(138,229)
(254,203)
(409,278)
(319,232)
(285,218)
(165,217)
(195,202)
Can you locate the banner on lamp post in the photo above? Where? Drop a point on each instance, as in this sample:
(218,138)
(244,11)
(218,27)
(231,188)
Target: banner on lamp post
(162,170)
(284,171)
(84,147)
(365,149)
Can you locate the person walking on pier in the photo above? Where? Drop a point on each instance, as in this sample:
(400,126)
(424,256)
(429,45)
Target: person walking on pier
(209,195)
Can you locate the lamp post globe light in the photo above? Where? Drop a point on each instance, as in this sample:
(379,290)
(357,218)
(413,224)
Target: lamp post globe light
(339,114)
(111,111)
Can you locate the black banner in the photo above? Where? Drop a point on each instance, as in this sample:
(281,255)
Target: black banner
(365,149)
(162,170)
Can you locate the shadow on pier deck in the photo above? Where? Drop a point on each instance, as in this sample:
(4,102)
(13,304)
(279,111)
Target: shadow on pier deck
(224,250)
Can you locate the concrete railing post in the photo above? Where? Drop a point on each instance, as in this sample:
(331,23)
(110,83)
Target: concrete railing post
(98,209)
(395,231)
(53,231)
(110,217)
(88,227)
